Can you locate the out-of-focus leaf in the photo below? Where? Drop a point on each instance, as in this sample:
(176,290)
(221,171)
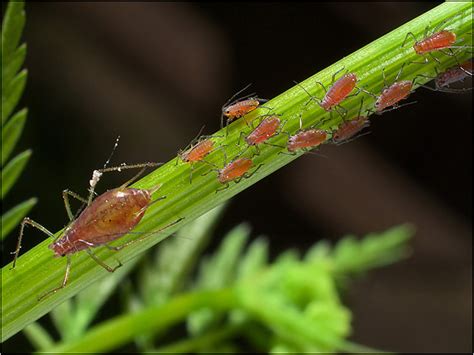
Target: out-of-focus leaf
(11,67)
(12,93)
(12,28)
(38,336)
(13,170)
(11,218)
(11,132)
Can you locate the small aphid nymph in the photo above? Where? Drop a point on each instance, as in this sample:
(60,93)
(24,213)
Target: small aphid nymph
(339,91)
(234,170)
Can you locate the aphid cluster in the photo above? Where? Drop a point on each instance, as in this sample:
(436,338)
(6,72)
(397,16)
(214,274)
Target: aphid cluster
(116,212)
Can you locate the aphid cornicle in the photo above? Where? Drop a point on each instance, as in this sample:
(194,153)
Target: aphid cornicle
(104,219)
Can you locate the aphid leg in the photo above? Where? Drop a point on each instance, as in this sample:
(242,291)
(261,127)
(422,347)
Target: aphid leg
(288,153)
(100,262)
(225,187)
(191,173)
(400,72)
(395,107)
(151,203)
(433,57)
(257,149)
(333,78)
(274,145)
(67,205)
(247,175)
(344,111)
(406,37)
(63,284)
(240,137)
(29,221)
(146,235)
(369,93)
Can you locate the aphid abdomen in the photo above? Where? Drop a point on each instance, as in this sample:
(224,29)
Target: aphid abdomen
(107,218)
(440,40)
(265,130)
(339,91)
(234,170)
(393,94)
(199,151)
(306,139)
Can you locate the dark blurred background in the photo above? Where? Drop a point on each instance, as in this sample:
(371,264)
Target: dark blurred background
(154,73)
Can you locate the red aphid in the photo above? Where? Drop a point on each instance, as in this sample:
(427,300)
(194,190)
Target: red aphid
(110,216)
(234,170)
(197,152)
(393,94)
(453,75)
(339,91)
(439,40)
(240,108)
(310,138)
(265,130)
(349,129)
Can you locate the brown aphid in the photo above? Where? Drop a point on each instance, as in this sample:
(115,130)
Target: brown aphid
(105,219)
(439,40)
(240,108)
(393,94)
(109,216)
(349,129)
(453,75)
(234,170)
(197,152)
(310,138)
(339,91)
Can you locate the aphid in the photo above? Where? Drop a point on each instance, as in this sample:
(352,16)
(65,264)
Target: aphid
(266,129)
(239,108)
(392,94)
(196,153)
(349,129)
(450,76)
(236,170)
(453,75)
(304,139)
(338,91)
(105,218)
(437,41)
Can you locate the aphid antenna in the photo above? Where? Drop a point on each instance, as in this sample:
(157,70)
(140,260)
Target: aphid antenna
(112,152)
(229,102)
(312,98)
(333,78)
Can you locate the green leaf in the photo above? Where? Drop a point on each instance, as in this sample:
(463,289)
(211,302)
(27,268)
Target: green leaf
(254,259)
(84,307)
(11,132)
(12,94)
(37,272)
(13,170)
(38,336)
(375,250)
(13,65)
(13,217)
(219,271)
(175,258)
(12,28)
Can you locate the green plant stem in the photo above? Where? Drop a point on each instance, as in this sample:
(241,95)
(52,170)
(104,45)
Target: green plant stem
(200,342)
(122,329)
(37,271)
